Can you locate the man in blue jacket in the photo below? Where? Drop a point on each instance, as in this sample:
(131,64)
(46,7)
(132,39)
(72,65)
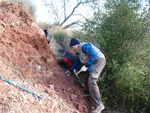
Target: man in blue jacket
(94,60)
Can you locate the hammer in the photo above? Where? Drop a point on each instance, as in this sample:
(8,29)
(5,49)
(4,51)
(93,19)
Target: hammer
(76,73)
(83,69)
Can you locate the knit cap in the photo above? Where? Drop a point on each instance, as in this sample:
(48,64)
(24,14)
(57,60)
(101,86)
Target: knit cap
(74,42)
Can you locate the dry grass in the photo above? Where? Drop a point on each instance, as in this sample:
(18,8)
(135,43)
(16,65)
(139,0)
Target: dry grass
(43,25)
(54,28)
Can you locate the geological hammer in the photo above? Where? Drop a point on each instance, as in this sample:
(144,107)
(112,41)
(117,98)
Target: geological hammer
(76,73)
(83,69)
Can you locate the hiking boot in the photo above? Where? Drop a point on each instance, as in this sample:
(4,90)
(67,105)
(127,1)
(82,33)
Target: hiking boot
(98,109)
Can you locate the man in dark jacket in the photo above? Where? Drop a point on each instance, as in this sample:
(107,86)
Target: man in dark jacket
(94,60)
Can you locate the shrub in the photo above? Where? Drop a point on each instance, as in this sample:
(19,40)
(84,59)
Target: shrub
(120,31)
(59,35)
(43,25)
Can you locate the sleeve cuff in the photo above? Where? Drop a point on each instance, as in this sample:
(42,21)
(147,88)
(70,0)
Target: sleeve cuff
(87,65)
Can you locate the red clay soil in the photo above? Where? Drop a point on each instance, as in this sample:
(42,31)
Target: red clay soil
(26,59)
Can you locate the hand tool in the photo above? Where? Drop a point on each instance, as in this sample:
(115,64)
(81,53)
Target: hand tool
(20,87)
(83,69)
(76,73)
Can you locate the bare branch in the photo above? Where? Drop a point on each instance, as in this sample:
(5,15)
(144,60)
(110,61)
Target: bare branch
(64,9)
(79,3)
(60,14)
(54,11)
(79,15)
(69,25)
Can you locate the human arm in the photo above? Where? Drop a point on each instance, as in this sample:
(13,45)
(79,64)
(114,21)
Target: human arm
(87,49)
(77,62)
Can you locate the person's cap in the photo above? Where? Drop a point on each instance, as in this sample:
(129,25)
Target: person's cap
(74,42)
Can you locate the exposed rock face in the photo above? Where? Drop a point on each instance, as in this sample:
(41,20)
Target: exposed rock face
(25,58)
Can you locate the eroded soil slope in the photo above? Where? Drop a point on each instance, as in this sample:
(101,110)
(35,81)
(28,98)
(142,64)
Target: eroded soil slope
(25,59)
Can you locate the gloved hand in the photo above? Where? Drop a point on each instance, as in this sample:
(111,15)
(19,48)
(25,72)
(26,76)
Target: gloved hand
(84,68)
(68,72)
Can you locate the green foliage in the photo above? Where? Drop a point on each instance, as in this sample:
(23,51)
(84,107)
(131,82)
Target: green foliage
(61,38)
(126,78)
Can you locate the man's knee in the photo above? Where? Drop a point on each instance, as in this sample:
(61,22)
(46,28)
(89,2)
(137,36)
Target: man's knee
(92,81)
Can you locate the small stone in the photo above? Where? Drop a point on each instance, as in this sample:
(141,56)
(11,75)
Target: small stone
(53,104)
(49,73)
(46,91)
(51,86)
(69,89)
(73,96)
(67,98)
(80,108)
(12,24)
(39,67)
(64,91)
(40,102)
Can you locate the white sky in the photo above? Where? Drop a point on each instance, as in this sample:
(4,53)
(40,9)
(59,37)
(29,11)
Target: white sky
(43,16)
(41,11)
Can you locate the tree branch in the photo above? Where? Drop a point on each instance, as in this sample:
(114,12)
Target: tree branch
(73,23)
(64,9)
(80,15)
(79,3)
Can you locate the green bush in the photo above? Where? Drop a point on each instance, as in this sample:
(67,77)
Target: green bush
(132,83)
(126,79)
(61,38)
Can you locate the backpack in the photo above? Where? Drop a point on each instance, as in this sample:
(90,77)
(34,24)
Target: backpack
(68,58)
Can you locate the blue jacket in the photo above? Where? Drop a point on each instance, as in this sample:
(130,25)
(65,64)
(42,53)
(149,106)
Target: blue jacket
(87,49)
